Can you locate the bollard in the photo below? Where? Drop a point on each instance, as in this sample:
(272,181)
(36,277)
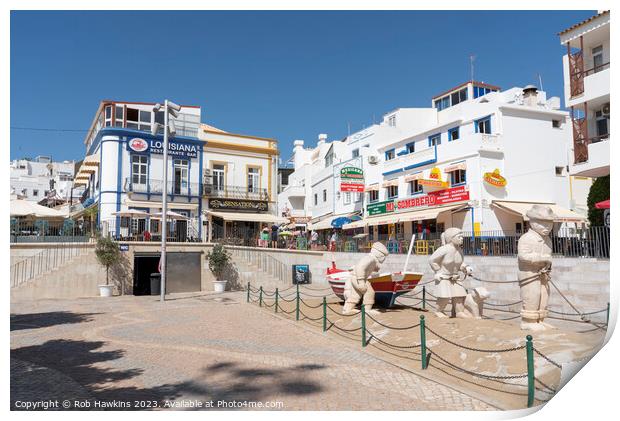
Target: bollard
(423,342)
(297,304)
(423,297)
(363,326)
(248,298)
(276,306)
(324,314)
(260,297)
(607,322)
(529,348)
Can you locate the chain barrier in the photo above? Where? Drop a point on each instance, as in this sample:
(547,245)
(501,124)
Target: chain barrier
(286,312)
(391,327)
(578,314)
(310,318)
(474,349)
(266,294)
(340,314)
(503,305)
(549,389)
(484,376)
(314,296)
(288,301)
(558,365)
(269,305)
(308,305)
(391,345)
(316,289)
(332,324)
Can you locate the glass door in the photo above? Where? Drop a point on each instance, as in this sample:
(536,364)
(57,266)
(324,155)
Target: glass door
(181,175)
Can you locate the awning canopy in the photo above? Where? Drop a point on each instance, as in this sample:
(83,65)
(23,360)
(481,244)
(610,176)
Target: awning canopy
(415,176)
(21,207)
(454,167)
(327,222)
(89,165)
(372,187)
(392,182)
(521,208)
(251,217)
(417,215)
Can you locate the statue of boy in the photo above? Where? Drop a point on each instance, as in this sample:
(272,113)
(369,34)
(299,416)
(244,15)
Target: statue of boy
(534,257)
(358,286)
(447,262)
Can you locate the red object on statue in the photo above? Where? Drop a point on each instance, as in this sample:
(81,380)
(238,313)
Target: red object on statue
(602,205)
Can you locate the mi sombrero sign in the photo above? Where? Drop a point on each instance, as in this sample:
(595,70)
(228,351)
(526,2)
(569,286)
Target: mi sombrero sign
(352,179)
(495,179)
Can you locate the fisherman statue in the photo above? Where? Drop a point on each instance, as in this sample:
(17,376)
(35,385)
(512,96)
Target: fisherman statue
(448,263)
(357,286)
(534,257)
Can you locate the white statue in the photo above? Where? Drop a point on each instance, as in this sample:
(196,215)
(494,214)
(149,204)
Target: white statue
(447,262)
(474,302)
(357,286)
(534,256)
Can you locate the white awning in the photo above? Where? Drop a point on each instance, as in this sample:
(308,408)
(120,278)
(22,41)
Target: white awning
(417,215)
(372,187)
(458,166)
(326,223)
(416,176)
(251,217)
(393,182)
(520,209)
(21,207)
(158,205)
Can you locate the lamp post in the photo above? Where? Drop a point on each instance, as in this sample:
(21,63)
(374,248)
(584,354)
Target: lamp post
(169,129)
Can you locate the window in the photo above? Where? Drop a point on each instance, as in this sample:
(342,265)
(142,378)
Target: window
(434,140)
(410,148)
(316,199)
(218,172)
(138,119)
(392,120)
(145,120)
(358,197)
(458,177)
(139,168)
(483,125)
(253,179)
(453,134)
(559,171)
(602,124)
(458,96)
(415,187)
(324,195)
(108,116)
(355,153)
(556,124)
(373,195)
(35,193)
(481,91)
(329,158)
(347,198)
(389,155)
(118,116)
(392,192)
(597,58)
(181,176)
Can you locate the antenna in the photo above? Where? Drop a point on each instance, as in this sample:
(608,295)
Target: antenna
(472,57)
(348,128)
(540,82)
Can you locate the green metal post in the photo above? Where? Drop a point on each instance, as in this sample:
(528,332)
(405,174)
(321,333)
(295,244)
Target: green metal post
(324,314)
(423,297)
(276,306)
(363,326)
(297,304)
(607,322)
(529,348)
(248,298)
(423,342)
(260,297)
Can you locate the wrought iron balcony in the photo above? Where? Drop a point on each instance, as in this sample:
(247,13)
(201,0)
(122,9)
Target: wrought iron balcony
(235,192)
(156,187)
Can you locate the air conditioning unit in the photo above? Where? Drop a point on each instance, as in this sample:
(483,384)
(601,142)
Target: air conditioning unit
(606,110)
(373,159)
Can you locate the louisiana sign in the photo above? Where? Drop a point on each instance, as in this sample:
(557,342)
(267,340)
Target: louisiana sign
(156,146)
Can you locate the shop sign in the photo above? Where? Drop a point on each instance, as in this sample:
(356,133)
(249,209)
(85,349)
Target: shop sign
(155,146)
(235,204)
(351,179)
(434,179)
(441,197)
(495,178)
(380,208)
(123,247)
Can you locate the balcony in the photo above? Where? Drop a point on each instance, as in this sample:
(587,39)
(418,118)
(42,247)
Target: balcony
(156,187)
(295,191)
(235,192)
(591,157)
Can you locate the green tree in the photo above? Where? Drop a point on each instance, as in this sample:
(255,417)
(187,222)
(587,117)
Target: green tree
(91,213)
(599,191)
(107,253)
(218,260)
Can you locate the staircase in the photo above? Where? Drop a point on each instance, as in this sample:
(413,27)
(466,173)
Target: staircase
(260,269)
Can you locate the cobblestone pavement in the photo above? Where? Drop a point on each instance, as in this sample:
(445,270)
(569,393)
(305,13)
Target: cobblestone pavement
(201,347)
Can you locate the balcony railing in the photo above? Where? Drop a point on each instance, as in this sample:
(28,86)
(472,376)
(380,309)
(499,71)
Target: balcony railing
(156,187)
(235,192)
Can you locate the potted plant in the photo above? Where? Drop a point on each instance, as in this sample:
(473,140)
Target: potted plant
(218,260)
(108,254)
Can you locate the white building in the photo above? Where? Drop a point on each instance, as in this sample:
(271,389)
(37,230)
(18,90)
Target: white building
(586,93)
(40,179)
(477,160)
(223,184)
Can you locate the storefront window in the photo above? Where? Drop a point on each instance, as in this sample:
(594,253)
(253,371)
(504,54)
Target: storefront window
(392,192)
(253,180)
(181,176)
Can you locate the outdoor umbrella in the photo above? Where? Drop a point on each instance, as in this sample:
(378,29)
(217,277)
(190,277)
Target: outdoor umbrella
(131,213)
(170,215)
(21,207)
(340,221)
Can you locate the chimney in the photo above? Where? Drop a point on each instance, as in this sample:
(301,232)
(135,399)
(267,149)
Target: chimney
(530,96)
(322,139)
(298,147)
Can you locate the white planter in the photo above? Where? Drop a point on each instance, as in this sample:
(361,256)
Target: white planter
(219,286)
(105,290)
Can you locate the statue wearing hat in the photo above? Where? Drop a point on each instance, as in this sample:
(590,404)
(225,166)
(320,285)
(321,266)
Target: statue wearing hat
(534,257)
(357,286)
(448,262)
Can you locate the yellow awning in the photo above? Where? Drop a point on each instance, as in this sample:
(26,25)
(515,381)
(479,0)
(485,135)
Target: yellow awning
(521,208)
(251,217)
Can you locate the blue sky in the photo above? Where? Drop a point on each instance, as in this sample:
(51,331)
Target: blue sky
(287,75)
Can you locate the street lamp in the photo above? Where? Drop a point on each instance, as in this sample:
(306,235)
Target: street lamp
(169,129)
